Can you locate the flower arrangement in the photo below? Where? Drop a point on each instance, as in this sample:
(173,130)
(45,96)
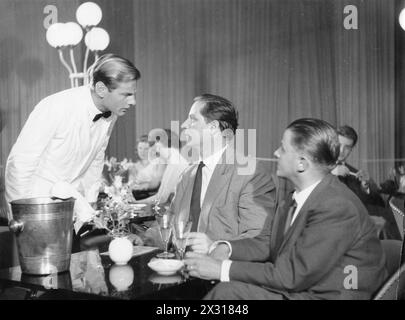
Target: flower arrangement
(114,204)
(116,172)
(113,216)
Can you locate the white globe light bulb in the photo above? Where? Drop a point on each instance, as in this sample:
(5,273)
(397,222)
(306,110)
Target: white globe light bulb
(402,19)
(63,36)
(97,39)
(89,14)
(74,33)
(54,35)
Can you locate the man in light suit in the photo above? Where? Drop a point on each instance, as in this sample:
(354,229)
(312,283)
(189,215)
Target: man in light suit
(322,244)
(223,198)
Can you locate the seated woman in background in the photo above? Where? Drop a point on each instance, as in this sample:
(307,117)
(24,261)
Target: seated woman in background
(146,174)
(141,158)
(175,164)
(168,166)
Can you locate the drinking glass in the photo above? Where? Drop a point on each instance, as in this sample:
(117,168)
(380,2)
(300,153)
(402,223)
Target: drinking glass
(164,220)
(181,231)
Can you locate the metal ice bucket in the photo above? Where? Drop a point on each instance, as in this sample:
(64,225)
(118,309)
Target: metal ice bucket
(43,229)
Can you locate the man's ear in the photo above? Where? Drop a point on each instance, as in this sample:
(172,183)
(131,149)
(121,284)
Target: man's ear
(302,165)
(214,124)
(101,89)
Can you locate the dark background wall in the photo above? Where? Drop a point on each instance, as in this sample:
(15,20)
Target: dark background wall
(277,60)
(399,85)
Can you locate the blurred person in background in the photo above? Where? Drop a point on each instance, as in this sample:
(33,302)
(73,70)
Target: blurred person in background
(164,169)
(141,158)
(361,184)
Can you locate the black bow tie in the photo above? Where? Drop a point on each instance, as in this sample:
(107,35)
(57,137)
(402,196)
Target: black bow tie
(102,115)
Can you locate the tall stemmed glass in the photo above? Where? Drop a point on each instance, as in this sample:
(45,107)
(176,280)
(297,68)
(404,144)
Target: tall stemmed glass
(164,219)
(181,231)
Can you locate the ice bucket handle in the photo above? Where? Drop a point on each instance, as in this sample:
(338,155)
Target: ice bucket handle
(16,226)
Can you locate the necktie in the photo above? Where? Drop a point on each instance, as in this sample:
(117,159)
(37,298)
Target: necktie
(102,115)
(290,215)
(195,206)
(283,225)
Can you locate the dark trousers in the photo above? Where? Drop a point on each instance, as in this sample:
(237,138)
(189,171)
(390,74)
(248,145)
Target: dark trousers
(235,290)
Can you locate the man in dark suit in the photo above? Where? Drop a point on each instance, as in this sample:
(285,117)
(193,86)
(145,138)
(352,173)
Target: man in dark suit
(357,180)
(361,184)
(322,243)
(225,194)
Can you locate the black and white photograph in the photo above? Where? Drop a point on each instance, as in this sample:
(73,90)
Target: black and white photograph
(202,154)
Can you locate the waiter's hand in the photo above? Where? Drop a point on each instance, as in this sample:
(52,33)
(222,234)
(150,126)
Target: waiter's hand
(97,223)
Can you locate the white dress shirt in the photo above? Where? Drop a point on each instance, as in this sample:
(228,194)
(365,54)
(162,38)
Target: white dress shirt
(59,143)
(299,197)
(209,166)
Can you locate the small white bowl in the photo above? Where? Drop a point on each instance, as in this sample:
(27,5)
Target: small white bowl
(165,267)
(159,279)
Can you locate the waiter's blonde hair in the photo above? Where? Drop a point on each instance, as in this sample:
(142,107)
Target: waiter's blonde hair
(112,69)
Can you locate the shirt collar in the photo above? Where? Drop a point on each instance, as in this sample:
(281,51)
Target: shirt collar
(211,161)
(91,107)
(302,196)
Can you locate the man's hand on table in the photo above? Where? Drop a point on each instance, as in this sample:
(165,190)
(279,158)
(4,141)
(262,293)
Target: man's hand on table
(203,266)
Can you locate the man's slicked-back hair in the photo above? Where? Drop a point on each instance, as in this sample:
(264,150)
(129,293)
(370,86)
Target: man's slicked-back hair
(219,109)
(111,70)
(348,132)
(316,138)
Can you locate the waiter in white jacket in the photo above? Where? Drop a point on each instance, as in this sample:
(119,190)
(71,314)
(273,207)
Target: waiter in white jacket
(61,147)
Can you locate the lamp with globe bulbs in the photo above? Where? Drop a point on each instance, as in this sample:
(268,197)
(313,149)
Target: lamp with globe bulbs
(67,35)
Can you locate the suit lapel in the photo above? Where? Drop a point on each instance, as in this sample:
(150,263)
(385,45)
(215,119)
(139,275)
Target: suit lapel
(276,233)
(220,178)
(311,202)
(186,199)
